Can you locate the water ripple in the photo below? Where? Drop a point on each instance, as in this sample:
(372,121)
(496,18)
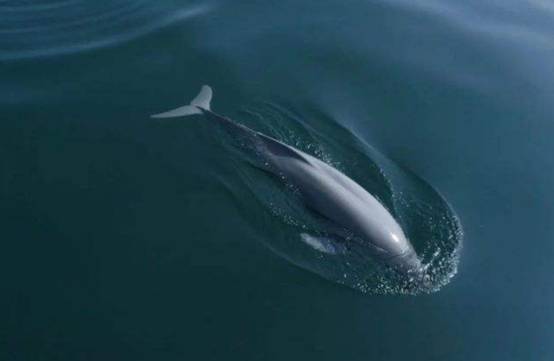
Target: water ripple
(35,28)
(427,219)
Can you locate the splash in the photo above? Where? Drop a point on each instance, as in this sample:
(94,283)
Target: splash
(308,241)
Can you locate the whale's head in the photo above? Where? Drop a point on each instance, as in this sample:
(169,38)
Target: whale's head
(407,263)
(394,250)
(411,270)
(389,244)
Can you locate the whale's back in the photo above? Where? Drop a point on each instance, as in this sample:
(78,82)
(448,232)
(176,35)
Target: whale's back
(334,195)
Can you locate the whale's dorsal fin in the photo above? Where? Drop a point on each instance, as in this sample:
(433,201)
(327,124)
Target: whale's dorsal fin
(281,149)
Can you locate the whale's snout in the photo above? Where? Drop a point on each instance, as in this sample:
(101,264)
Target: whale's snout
(407,264)
(410,268)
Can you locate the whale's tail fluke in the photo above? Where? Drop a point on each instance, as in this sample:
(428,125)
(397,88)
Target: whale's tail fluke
(201,102)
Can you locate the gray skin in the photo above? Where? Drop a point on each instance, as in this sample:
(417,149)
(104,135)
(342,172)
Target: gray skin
(332,194)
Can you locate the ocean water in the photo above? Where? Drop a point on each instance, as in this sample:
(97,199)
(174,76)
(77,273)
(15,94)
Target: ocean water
(125,238)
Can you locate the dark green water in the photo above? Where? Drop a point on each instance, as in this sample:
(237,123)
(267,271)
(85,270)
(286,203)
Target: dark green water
(127,239)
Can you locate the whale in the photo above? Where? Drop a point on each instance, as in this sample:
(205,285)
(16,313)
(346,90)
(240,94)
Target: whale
(324,190)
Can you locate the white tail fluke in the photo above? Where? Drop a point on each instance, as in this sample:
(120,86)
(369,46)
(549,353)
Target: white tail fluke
(202,101)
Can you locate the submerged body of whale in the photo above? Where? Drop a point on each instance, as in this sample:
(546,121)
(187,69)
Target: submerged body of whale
(324,190)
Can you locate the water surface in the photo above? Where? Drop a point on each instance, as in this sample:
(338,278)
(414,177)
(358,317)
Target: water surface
(128,239)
